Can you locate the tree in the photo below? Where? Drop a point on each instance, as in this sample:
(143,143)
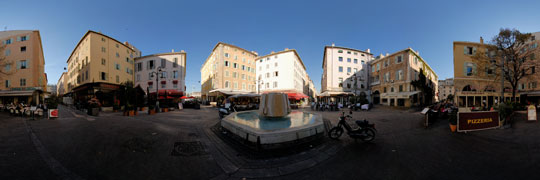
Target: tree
(510,56)
(4,63)
(450,97)
(425,86)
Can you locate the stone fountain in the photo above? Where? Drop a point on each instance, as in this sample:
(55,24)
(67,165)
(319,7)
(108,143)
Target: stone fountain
(274,122)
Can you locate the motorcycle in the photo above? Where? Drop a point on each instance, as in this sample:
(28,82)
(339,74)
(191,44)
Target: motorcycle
(224,111)
(366,131)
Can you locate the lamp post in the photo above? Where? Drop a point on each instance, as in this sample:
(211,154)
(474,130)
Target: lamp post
(157,86)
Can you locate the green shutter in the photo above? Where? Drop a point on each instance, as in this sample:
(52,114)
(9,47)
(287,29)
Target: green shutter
(474,51)
(18,64)
(465,50)
(474,71)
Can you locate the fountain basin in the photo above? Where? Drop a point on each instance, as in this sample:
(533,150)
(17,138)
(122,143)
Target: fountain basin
(297,125)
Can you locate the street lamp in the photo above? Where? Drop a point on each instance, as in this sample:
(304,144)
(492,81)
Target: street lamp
(157,86)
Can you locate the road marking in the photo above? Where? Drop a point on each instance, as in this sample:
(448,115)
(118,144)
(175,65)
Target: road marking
(53,164)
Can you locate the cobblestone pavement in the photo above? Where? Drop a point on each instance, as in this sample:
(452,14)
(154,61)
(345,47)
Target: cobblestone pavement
(181,145)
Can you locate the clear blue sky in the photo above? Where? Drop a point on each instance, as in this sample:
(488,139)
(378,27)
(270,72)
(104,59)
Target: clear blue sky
(264,26)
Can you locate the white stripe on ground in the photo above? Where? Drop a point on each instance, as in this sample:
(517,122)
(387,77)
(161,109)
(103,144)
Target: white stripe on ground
(53,164)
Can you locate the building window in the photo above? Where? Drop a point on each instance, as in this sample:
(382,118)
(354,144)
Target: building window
(235,85)
(400,88)
(24,38)
(7,68)
(340,68)
(22,64)
(469,50)
(23,49)
(138,78)
(378,67)
(117,66)
(226,55)
(8,41)
(399,59)
(175,85)
(243,76)
(340,80)
(348,60)
(384,90)
(235,65)
(7,52)
(243,67)
(399,75)
(151,64)
(103,49)
(340,51)
(355,61)
(340,59)
(103,76)
(267,75)
(226,73)
(275,84)
(348,52)
(469,69)
(275,74)
(22,82)
(175,64)
(267,85)
(363,62)
(117,79)
(139,67)
(163,63)
(355,70)
(103,61)
(348,69)
(227,63)
(7,84)
(163,85)
(150,86)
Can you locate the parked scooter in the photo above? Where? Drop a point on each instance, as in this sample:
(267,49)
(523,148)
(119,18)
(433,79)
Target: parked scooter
(366,131)
(226,110)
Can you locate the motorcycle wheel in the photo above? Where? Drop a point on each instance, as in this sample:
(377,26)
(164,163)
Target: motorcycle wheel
(335,133)
(369,135)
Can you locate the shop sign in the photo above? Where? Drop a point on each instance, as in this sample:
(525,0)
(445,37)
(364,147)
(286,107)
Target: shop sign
(531,113)
(474,121)
(53,113)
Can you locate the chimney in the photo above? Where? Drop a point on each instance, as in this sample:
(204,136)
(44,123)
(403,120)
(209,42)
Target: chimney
(418,52)
(387,54)
(182,50)
(254,52)
(286,49)
(481,40)
(381,55)
(333,44)
(172,50)
(368,50)
(272,52)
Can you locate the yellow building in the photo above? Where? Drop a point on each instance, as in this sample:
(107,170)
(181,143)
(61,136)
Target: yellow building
(476,84)
(391,78)
(22,76)
(98,66)
(226,70)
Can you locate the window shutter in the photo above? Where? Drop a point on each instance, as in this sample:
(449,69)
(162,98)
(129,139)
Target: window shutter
(474,50)
(18,64)
(465,69)
(474,69)
(465,49)
(27,64)
(18,38)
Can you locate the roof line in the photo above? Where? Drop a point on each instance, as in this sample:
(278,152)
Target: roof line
(281,52)
(86,34)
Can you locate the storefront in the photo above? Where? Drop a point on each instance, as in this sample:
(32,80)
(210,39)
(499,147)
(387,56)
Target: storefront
(28,95)
(401,99)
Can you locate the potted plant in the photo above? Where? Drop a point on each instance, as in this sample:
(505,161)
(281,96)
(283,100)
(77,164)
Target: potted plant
(93,107)
(453,120)
(151,109)
(165,108)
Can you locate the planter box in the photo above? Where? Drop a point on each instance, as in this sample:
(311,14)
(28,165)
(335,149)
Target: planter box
(151,111)
(165,110)
(107,109)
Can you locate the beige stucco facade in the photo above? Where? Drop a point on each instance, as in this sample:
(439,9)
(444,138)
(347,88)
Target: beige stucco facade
(446,87)
(230,68)
(61,87)
(391,77)
(22,66)
(100,58)
(173,72)
(476,85)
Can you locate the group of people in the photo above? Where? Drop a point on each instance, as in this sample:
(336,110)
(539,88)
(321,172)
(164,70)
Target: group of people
(22,109)
(325,106)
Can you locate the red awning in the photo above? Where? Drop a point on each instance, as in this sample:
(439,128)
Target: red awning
(175,81)
(169,92)
(296,96)
(163,82)
(150,83)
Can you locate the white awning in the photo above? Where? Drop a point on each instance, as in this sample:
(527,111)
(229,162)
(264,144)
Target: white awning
(330,93)
(17,93)
(230,92)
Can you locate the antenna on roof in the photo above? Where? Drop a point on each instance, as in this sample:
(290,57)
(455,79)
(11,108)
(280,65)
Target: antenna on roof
(5,28)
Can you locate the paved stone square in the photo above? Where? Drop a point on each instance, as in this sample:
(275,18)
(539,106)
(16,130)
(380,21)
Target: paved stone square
(182,145)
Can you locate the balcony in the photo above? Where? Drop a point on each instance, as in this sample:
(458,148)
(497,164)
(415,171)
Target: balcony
(375,83)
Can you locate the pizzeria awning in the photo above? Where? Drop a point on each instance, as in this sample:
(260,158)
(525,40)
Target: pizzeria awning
(296,96)
(329,93)
(16,93)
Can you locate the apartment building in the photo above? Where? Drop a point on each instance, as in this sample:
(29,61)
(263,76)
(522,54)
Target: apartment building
(61,85)
(228,69)
(391,78)
(98,66)
(446,87)
(345,73)
(22,75)
(477,84)
(283,71)
(171,71)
